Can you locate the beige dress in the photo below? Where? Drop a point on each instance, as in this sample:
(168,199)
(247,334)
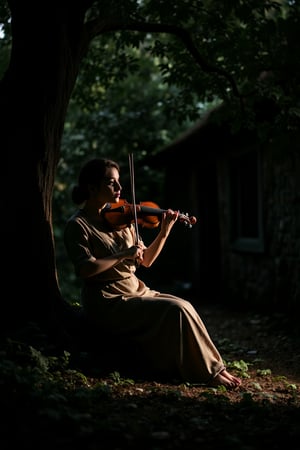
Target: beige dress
(168,330)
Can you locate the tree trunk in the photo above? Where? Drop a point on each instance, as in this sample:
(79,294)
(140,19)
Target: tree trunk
(34,96)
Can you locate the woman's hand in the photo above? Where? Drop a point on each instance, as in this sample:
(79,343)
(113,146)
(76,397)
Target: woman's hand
(168,219)
(136,252)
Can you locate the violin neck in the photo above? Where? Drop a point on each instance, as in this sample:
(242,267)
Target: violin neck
(150,211)
(140,209)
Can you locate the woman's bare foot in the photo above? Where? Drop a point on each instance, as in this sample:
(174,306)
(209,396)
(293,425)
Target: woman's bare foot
(224,378)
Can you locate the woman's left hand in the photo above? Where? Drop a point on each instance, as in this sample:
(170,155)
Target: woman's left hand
(168,219)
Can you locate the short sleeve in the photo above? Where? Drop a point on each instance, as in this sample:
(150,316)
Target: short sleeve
(76,240)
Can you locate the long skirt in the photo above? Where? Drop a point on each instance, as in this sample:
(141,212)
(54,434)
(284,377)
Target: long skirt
(171,338)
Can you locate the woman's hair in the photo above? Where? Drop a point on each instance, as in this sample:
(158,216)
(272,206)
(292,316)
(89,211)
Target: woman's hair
(91,174)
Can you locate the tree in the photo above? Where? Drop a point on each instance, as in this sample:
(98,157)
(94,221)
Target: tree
(206,53)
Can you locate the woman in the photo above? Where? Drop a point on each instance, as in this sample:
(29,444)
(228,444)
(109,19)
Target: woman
(167,329)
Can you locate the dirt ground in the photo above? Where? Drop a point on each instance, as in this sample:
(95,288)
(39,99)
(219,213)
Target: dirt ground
(113,412)
(263,413)
(267,341)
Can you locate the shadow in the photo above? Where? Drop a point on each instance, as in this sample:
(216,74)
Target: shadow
(154,419)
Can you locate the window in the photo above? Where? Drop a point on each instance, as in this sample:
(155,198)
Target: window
(245,202)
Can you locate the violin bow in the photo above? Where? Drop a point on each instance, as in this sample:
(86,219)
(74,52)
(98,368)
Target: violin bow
(131,171)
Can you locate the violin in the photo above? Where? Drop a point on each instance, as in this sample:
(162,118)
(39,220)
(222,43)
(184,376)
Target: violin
(120,215)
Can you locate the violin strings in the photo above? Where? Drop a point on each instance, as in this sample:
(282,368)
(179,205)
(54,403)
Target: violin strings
(131,172)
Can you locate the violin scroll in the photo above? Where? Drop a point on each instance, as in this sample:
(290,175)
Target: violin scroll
(187,220)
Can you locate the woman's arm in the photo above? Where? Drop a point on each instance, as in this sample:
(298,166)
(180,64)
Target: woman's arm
(95,266)
(77,239)
(153,250)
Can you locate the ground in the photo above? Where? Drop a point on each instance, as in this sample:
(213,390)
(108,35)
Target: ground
(114,412)
(267,341)
(263,412)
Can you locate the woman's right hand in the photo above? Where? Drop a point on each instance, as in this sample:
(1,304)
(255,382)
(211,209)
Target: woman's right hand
(135,252)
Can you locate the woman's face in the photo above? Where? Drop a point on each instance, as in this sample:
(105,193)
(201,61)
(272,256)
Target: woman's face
(110,189)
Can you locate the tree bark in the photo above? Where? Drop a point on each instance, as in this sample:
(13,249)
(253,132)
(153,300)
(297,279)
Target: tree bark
(34,97)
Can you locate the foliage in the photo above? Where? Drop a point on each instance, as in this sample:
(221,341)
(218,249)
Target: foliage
(179,56)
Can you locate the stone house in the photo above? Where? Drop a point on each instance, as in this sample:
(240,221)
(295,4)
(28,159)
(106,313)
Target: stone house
(244,249)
